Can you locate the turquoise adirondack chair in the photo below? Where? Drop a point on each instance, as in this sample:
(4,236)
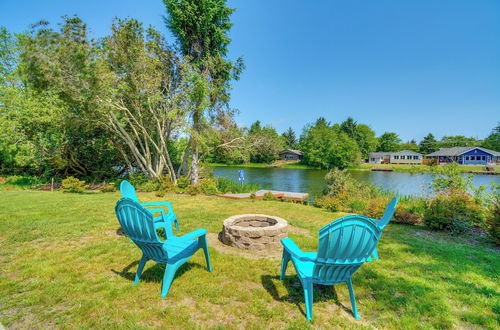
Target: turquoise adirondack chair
(344,245)
(128,191)
(138,224)
(384,221)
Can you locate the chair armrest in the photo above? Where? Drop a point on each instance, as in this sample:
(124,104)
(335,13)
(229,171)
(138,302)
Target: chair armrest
(194,234)
(163,216)
(294,250)
(167,204)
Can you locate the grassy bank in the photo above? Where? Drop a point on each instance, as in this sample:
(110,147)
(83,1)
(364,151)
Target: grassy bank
(416,168)
(64,266)
(291,165)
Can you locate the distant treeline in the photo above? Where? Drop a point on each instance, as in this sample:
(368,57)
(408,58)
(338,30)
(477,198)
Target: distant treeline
(328,145)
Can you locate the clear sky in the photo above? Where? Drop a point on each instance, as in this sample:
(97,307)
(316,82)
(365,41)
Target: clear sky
(411,67)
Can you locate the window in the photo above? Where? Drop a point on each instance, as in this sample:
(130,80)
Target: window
(416,157)
(402,157)
(472,157)
(373,159)
(396,157)
(466,157)
(483,157)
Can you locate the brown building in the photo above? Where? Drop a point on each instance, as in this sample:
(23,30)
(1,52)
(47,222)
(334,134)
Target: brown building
(290,154)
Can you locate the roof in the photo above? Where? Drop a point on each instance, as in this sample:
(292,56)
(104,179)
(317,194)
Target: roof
(456,151)
(292,151)
(406,152)
(379,154)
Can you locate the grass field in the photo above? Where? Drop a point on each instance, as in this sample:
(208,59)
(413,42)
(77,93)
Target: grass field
(63,265)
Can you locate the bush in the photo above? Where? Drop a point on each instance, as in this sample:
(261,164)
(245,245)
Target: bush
(225,185)
(356,206)
(268,196)
(149,186)
(22,180)
(330,203)
(3,180)
(209,186)
(183,182)
(406,216)
(375,208)
(193,189)
(455,213)
(494,224)
(108,187)
(73,185)
(137,178)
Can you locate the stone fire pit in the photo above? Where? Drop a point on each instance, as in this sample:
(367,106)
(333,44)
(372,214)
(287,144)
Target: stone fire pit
(254,231)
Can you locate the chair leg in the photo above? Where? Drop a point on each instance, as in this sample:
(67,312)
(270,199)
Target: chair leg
(375,254)
(142,263)
(284,263)
(203,242)
(168,277)
(308,295)
(353,299)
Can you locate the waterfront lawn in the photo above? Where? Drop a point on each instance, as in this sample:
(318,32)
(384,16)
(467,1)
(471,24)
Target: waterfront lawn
(64,266)
(417,168)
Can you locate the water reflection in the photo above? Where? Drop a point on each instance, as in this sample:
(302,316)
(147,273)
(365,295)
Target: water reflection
(312,181)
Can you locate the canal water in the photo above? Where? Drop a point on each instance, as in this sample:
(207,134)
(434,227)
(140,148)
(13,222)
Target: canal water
(312,181)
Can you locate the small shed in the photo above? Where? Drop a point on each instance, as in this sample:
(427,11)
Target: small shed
(291,154)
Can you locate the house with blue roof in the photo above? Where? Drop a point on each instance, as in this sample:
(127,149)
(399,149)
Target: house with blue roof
(465,156)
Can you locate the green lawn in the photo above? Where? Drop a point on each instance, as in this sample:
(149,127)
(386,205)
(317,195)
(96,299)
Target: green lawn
(417,168)
(62,265)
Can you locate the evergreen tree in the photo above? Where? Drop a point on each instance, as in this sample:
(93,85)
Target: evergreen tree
(493,140)
(428,144)
(289,138)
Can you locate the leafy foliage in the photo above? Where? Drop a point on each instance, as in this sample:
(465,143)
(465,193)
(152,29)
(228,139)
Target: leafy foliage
(388,142)
(493,140)
(73,185)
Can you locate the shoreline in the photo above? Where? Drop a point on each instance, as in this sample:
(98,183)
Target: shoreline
(362,167)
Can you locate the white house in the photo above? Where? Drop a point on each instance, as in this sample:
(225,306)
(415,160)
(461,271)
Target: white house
(400,157)
(379,157)
(406,157)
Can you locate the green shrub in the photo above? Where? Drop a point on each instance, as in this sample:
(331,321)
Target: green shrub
(209,186)
(109,187)
(455,213)
(405,215)
(375,208)
(183,182)
(225,185)
(268,196)
(330,203)
(193,189)
(356,205)
(253,196)
(137,178)
(3,180)
(493,224)
(22,180)
(148,186)
(73,185)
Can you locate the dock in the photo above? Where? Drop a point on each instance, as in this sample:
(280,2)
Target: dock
(382,169)
(296,196)
(485,172)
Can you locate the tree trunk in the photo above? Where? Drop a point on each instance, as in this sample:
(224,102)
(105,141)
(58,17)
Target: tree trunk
(194,167)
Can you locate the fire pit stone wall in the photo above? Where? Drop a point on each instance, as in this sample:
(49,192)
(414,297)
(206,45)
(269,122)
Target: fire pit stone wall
(254,231)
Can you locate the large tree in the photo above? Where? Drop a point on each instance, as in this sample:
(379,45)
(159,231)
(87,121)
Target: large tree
(289,138)
(327,146)
(265,143)
(201,29)
(428,144)
(388,142)
(493,140)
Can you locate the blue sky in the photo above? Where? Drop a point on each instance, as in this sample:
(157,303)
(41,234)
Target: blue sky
(411,67)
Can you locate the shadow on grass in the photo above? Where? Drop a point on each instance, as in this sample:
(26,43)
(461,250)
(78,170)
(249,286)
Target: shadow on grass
(154,273)
(296,292)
